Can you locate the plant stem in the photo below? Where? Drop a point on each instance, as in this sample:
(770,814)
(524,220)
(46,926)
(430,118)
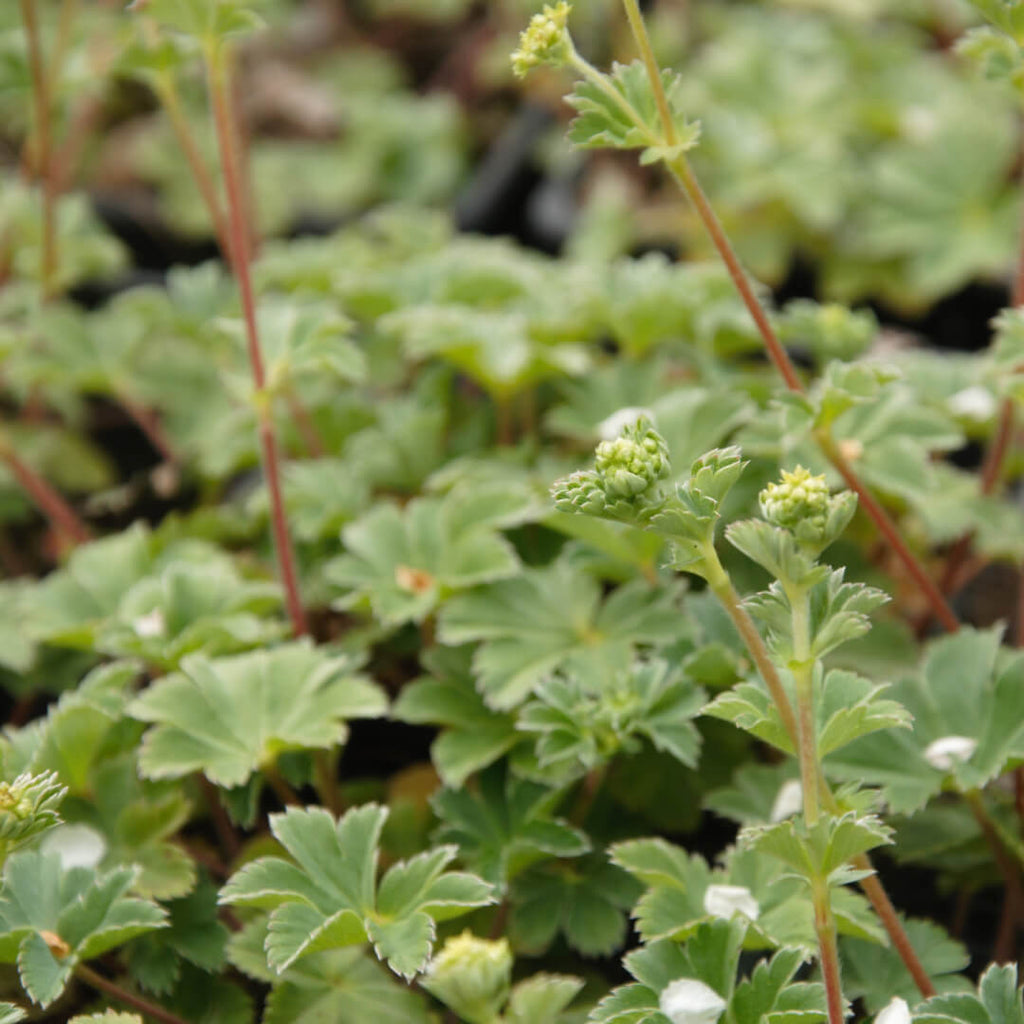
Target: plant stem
(683,173)
(280,786)
(1006,862)
(218,73)
(825,927)
(112,989)
(721,586)
(57,511)
(41,100)
(229,840)
(167,93)
(803,675)
(888,529)
(149,423)
(879,899)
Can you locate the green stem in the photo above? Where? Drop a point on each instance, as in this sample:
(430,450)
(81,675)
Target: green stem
(137,1003)
(803,675)
(280,786)
(721,586)
(643,42)
(42,108)
(828,951)
(218,74)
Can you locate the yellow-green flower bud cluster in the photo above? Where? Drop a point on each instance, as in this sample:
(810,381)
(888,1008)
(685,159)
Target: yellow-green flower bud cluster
(633,463)
(28,806)
(801,503)
(471,976)
(544,41)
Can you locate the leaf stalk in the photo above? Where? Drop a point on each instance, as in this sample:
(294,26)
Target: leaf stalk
(112,989)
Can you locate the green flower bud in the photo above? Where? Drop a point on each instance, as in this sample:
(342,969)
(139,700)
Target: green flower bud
(802,504)
(471,976)
(580,493)
(544,41)
(634,462)
(28,806)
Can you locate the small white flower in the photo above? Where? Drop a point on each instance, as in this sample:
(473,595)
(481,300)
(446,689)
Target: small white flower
(78,846)
(895,1011)
(947,751)
(687,1001)
(611,426)
(150,625)
(729,900)
(788,801)
(973,403)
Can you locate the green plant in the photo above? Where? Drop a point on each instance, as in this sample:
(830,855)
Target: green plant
(680,710)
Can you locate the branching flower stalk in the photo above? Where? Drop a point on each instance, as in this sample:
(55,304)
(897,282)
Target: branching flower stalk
(547,41)
(629,484)
(218,68)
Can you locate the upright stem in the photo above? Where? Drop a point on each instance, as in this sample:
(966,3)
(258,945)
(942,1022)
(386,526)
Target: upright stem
(167,93)
(684,175)
(803,676)
(112,989)
(825,927)
(721,586)
(219,82)
(42,103)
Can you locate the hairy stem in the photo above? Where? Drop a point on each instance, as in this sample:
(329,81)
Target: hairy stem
(112,989)
(43,142)
(218,73)
(828,951)
(721,586)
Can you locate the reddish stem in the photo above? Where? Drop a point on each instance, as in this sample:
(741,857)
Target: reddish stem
(149,423)
(43,146)
(57,511)
(888,529)
(112,989)
(879,899)
(168,96)
(219,84)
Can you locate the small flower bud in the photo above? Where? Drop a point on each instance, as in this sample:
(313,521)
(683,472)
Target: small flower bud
(688,1001)
(580,492)
(634,462)
(895,1011)
(948,751)
(544,41)
(471,976)
(802,504)
(729,900)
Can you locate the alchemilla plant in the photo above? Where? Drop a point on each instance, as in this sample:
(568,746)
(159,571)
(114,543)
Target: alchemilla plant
(404,623)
